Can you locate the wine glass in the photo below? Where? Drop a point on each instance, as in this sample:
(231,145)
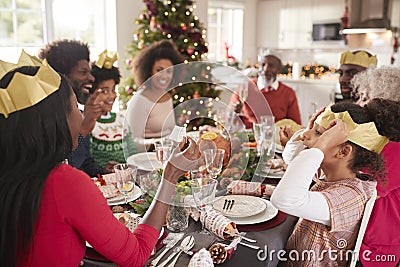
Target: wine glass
(243,91)
(258,136)
(125,178)
(149,183)
(203,191)
(214,159)
(163,150)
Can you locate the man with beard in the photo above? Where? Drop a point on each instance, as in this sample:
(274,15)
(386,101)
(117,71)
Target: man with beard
(71,58)
(352,63)
(281,98)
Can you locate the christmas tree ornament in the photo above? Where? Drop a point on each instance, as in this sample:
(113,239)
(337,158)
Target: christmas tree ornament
(218,253)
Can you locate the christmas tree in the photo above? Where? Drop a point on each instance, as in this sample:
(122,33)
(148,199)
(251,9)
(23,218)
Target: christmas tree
(174,20)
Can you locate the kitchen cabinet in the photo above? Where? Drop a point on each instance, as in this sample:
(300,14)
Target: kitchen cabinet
(312,94)
(288,24)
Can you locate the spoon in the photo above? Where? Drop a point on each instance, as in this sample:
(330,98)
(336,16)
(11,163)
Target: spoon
(183,248)
(186,244)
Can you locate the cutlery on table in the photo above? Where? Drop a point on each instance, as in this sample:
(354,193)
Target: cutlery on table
(186,245)
(232,202)
(169,243)
(242,235)
(248,245)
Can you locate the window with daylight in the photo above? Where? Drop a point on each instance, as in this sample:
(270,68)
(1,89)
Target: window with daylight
(30,24)
(224,31)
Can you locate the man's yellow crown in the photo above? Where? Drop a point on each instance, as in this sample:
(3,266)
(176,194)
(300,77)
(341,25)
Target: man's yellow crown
(360,58)
(365,134)
(24,91)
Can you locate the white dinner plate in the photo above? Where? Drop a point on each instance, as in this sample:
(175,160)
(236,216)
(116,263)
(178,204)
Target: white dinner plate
(279,148)
(243,206)
(120,199)
(146,161)
(269,213)
(274,174)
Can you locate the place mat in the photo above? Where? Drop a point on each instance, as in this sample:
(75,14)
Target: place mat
(279,218)
(271,181)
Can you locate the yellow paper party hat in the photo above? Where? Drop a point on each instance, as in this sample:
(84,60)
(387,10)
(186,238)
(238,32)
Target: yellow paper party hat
(24,91)
(360,58)
(106,59)
(365,134)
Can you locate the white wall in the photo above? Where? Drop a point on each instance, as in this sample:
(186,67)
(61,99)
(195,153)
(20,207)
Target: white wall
(126,13)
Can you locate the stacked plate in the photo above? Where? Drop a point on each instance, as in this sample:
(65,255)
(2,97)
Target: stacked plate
(146,161)
(243,210)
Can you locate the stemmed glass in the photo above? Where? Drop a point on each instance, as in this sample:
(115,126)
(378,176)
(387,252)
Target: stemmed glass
(203,191)
(125,178)
(163,150)
(258,136)
(243,91)
(214,159)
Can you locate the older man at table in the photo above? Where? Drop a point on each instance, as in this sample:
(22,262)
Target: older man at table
(281,98)
(352,63)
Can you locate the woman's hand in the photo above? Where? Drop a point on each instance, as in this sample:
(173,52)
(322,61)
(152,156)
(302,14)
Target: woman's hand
(184,158)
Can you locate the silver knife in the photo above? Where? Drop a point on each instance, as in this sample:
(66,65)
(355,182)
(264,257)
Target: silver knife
(168,246)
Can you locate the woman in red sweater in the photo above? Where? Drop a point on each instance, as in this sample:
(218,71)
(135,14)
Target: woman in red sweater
(49,209)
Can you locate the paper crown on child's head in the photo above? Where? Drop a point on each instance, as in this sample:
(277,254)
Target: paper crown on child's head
(25,91)
(106,59)
(365,134)
(360,58)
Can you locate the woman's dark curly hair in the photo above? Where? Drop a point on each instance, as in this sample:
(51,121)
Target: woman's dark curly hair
(104,74)
(33,141)
(64,54)
(144,61)
(384,113)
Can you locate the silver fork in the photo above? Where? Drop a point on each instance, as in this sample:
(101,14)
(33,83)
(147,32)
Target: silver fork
(184,248)
(178,250)
(168,245)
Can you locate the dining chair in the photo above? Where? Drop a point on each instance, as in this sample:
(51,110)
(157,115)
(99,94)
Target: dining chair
(364,222)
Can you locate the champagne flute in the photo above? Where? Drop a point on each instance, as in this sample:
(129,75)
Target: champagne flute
(258,136)
(243,91)
(125,178)
(163,150)
(203,191)
(214,159)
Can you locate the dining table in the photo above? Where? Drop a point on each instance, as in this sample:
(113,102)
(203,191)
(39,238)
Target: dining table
(270,234)
(270,238)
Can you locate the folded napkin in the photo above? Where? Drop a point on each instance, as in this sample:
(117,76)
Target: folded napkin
(109,191)
(201,259)
(256,189)
(218,224)
(239,187)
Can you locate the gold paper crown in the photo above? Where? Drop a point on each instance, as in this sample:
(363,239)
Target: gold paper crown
(360,58)
(24,91)
(106,59)
(365,134)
